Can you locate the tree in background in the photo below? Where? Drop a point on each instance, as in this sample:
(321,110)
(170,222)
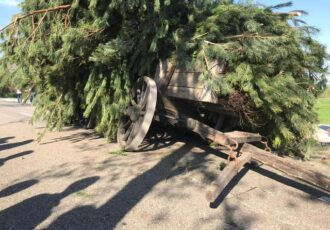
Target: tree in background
(83,56)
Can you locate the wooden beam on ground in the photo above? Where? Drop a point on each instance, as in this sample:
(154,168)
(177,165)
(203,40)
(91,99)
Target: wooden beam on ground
(205,131)
(243,137)
(289,168)
(226,176)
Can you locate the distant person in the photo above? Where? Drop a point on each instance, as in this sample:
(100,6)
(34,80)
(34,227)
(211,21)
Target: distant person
(32,94)
(19,95)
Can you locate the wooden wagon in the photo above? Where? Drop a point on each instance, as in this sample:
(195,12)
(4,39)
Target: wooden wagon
(180,98)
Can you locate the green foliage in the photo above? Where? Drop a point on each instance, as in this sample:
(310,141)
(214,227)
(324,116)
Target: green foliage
(322,108)
(83,61)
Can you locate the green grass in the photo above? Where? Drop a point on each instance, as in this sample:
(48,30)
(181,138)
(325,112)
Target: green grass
(82,193)
(326,93)
(322,108)
(120,152)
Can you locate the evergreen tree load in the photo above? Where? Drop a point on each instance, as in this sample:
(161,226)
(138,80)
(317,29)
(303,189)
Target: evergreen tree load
(83,56)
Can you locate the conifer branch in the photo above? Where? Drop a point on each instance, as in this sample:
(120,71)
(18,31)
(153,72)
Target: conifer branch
(213,43)
(35,30)
(17,19)
(206,62)
(199,36)
(100,30)
(238,36)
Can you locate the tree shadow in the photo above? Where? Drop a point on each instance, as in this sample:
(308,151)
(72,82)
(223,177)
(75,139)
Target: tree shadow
(3,160)
(17,187)
(228,188)
(31,212)
(76,137)
(5,139)
(110,214)
(13,145)
(312,191)
(114,210)
(158,137)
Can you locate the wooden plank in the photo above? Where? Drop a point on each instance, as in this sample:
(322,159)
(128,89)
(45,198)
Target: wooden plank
(218,67)
(186,79)
(200,95)
(289,168)
(163,74)
(184,93)
(205,131)
(226,175)
(243,137)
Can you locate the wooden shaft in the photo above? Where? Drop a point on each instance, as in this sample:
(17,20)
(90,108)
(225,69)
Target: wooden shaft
(226,176)
(291,169)
(205,131)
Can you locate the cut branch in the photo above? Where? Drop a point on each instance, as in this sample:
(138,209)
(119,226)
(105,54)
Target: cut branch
(249,36)
(17,19)
(35,30)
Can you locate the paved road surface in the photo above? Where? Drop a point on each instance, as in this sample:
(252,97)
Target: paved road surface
(75,180)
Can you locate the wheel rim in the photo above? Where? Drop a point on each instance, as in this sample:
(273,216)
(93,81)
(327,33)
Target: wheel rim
(137,119)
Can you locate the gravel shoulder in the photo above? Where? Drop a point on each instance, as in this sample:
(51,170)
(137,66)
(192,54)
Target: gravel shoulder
(74,179)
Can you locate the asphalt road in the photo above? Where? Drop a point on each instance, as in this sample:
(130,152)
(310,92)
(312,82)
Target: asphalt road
(74,179)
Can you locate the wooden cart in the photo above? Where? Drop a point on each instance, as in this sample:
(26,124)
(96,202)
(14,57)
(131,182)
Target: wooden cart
(179,98)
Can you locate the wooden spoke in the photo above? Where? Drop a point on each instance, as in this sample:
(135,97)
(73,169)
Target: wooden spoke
(128,132)
(140,114)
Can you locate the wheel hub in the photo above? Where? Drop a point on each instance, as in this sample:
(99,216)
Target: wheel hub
(133,112)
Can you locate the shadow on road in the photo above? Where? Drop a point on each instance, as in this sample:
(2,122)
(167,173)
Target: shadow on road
(108,215)
(31,212)
(5,139)
(76,137)
(17,187)
(114,210)
(158,138)
(13,145)
(3,160)
(222,196)
(292,183)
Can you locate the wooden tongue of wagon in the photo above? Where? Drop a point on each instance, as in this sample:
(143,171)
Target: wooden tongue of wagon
(177,97)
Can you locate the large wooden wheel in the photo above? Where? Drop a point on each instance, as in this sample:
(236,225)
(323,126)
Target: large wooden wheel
(138,117)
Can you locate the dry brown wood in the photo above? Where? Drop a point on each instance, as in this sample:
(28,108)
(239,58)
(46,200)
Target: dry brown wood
(220,108)
(186,79)
(243,137)
(184,93)
(231,170)
(289,168)
(163,74)
(206,131)
(35,29)
(194,94)
(17,19)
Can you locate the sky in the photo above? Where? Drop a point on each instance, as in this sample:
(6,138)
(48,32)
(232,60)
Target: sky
(319,14)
